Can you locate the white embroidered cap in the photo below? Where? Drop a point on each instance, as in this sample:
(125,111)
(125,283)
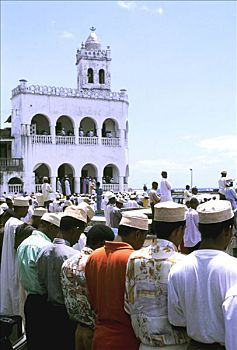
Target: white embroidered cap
(21,202)
(53,218)
(76,212)
(134,219)
(110,195)
(214,211)
(120,200)
(169,212)
(39,211)
(87,208)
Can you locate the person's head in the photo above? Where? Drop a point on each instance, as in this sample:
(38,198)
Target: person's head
(45,179)
(169,221)
(88,210)
(111,198)
(216,220)
(187,204)
(73,223)
(154,185)
(164,174)
(194,190)
(187,187)
(133,228)
(97,184)
(144,187)
(224,173)
(97,235)
(119,202)
(229,183)
(21,206)
(9,202)
(37,215)
(194,202)
(50,224)
(22,232)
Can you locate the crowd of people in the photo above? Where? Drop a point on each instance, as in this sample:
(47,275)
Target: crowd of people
(81,286)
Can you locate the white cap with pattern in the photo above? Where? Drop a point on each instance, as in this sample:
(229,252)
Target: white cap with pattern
(135,219)
(214,211)
(169,212)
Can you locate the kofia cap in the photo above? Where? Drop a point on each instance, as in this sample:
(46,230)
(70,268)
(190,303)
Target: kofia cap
(76,212)
(53,218)
(224,172)
(135,219)
(214,211)
(120,200)
(39,211)
(169,212)
(87,208)
(21,202)
(110,195)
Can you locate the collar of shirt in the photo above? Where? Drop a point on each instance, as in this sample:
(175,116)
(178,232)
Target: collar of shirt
(117,245)
(87,251)
(40,233)
(163,244)
(61,241)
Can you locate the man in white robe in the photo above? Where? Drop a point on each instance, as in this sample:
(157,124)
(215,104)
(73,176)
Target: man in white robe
(67,187)
(165,188)
(9,294)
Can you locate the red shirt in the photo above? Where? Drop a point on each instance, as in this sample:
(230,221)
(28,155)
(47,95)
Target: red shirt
(105,276)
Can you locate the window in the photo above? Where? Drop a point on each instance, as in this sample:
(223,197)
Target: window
(101,76)
(90,75)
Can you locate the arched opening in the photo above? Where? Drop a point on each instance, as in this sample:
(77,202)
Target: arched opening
(41,170)
(110,128)
(15,185)
(101,76)
(87,127)
(39,125)
(66,177)
(64,126)
(88,178)
(90,76)
(111,178)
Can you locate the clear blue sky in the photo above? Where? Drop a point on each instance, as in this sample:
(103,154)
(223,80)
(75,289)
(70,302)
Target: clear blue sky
(177,61)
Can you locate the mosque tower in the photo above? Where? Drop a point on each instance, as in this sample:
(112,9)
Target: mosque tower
(93,64)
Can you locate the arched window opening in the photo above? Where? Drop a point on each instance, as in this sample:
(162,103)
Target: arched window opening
(90,75)
(101,76)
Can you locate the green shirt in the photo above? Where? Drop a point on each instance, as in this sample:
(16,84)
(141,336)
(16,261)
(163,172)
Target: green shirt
(27,254)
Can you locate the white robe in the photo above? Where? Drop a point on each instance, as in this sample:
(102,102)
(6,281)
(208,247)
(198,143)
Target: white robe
(165,190)
(67,188)
(9,294)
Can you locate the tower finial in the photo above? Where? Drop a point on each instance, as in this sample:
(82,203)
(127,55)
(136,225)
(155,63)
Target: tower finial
(93,29)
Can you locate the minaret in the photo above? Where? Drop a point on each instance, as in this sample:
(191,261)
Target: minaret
(93,64)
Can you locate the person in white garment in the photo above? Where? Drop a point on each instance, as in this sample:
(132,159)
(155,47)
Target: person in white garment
(192,235)
(46,191)
(109,207)
(10,288)
(198,285)
(187,194)
(67,187)
(165,188)
(229,308)
(59,186)
(221,184)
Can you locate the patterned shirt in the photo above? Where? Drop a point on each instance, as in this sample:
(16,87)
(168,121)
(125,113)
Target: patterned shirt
(75,293)
(146,294)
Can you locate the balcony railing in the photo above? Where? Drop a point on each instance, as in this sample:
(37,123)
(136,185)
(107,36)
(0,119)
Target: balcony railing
(65,140)
(16,188)
(88,140)
(41,139)
(11,164)
(111,187)
(114,141)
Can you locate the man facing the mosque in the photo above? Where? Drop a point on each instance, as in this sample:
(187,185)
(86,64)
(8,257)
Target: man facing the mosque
(147,278)
(105,277)
(165,188)
(198,285)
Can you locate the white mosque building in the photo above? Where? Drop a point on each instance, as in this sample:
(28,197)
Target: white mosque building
(76,133)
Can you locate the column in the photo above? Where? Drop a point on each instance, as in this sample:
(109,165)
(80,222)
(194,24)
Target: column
(121,137)
(77,184)
(53,183)
(120,183)
(52,133)
(98,133)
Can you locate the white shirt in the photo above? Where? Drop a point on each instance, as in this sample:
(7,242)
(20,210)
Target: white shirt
(191,233)
(197,288)
(165,190)
(221,184)
(229,308)
(187,196)
(46,190)
(67,188)
(107,211)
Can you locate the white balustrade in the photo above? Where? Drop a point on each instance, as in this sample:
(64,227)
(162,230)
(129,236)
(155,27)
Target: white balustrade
(87,140)
(16,188)
(38,188)
(41,138)
(112,142)
(111,187)
(65,140)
